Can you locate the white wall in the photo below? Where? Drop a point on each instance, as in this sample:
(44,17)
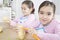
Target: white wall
(1,2)
(16,6)
(5,12)
(57,3)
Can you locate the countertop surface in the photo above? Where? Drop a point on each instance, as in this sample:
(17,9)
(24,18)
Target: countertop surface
(9,34)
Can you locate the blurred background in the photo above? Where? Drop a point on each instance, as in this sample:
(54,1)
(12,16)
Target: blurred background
(11,9)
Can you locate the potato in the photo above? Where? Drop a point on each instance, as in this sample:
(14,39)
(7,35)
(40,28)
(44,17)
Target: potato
(21,32)
(1,29)
(21,35)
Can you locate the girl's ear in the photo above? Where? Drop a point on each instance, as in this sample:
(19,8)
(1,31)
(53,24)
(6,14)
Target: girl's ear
(31,9)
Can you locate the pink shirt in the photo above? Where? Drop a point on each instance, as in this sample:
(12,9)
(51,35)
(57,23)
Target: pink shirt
(51,31)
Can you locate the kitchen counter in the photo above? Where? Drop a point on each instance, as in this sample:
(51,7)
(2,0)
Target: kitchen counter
(9,34)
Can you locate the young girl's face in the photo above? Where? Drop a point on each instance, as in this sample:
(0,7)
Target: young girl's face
(46,14)
(26,11)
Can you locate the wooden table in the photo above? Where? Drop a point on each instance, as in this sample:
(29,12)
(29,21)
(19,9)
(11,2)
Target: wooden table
(9,34)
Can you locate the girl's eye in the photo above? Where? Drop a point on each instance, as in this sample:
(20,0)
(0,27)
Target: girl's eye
(24,9)
(41,13)
(49,13)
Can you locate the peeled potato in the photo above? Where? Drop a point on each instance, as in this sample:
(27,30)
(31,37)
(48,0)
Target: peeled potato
(21,32)
(21,35)
(1,29)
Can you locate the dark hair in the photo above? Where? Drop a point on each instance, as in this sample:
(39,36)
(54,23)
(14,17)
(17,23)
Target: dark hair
(29,4)
(47,3)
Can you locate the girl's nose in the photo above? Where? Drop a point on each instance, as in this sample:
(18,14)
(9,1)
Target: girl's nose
(45,16)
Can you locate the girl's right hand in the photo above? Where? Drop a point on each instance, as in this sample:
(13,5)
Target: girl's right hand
(32,31)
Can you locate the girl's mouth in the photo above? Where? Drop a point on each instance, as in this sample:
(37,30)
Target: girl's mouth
(44,20)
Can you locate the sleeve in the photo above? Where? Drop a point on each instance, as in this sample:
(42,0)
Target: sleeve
(49,36)
(13,22)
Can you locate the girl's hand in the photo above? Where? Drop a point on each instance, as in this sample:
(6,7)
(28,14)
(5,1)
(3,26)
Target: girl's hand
(32,31)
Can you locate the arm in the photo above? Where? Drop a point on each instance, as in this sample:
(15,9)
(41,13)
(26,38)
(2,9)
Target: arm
(13,22)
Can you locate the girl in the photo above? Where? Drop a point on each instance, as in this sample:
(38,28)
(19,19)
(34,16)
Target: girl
(28,19)
(28,15)
(49,24)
